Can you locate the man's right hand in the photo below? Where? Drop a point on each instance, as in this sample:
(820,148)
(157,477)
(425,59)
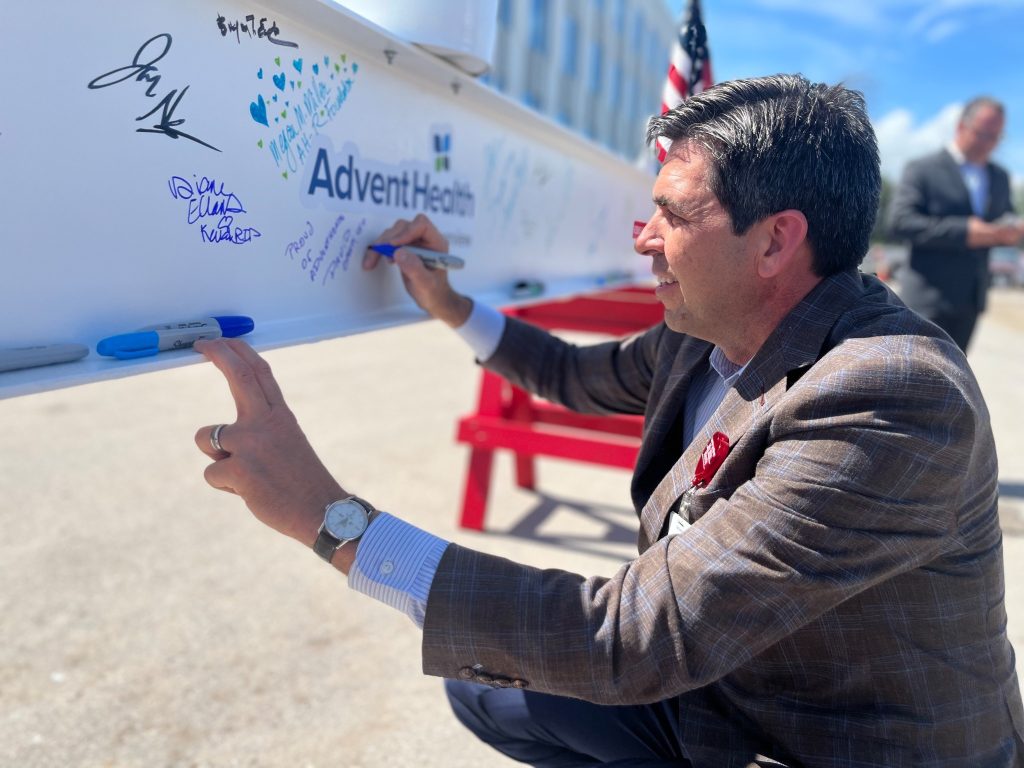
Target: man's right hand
(429,288)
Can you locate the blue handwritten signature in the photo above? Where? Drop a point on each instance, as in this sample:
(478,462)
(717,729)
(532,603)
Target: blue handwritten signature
(207,197)
(143,69)
(225,232)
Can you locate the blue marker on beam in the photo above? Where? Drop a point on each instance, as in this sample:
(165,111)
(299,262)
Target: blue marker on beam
(161,338)
(431,259)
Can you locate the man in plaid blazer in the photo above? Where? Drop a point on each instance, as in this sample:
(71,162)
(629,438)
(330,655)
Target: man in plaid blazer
(819,579)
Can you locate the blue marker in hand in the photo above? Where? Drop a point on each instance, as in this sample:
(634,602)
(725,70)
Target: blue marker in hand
(431,259)
(161,338)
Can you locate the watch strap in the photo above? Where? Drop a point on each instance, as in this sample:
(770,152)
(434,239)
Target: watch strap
(326,545)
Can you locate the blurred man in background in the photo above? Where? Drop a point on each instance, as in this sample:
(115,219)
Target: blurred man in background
(952,206)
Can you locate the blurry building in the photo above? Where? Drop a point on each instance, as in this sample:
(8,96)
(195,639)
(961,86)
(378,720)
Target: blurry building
(597,66)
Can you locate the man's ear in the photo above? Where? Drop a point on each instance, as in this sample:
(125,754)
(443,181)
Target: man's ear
(784,238)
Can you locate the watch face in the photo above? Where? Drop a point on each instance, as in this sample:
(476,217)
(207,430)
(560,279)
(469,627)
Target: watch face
(345,520)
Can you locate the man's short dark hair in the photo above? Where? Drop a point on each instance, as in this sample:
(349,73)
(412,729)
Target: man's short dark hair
(782,142)
(972,107)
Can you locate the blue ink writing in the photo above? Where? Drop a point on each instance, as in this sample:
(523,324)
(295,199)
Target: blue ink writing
(143,69)
(314,264)
(344,253)
(207,197)
(297,245)
(224,233)
(320,104)
(335,251)
(310,104)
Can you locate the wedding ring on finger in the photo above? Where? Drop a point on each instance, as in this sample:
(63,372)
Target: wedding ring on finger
(215,438)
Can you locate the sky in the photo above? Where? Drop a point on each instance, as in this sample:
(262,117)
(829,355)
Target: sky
(916,61)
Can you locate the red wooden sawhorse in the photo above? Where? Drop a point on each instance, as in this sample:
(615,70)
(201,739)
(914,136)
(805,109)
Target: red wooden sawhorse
(509,418)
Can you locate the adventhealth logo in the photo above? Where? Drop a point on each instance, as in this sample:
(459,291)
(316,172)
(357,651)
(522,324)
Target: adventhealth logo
(350,178)
(442,146)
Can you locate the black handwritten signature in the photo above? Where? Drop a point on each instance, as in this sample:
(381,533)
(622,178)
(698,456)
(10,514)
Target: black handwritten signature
(143,69)
(262,31)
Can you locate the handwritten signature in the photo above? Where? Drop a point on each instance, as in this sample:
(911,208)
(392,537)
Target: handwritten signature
(205,198)
(208,198)
(262,31)
(225,232)
(143,69)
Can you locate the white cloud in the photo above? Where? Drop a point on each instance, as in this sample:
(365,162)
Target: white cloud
(930,20)
(931,10)
(900,139)
(756,40)
(859,14)
(941,30)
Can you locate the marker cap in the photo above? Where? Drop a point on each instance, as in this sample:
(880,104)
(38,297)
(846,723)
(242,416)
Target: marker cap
(234,325)
(385,249)
(128,346)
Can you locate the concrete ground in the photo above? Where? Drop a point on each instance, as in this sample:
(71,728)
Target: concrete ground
(149,621)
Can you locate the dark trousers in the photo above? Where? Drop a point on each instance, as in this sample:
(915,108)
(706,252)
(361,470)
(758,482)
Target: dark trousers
(555,732)
(959,325)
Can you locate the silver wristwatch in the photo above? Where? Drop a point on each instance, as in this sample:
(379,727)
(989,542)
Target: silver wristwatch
(344,520)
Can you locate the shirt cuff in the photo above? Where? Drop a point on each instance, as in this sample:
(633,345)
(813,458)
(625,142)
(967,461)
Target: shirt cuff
(395,564)
(482,330)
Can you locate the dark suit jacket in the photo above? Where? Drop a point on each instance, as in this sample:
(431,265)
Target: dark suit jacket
(930,210)
(838,599)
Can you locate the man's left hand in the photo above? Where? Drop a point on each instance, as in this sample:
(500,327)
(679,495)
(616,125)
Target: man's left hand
(266,458)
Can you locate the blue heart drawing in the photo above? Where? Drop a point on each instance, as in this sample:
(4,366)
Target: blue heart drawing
(355,67)
(274,97)
(297,63)
(327,61)
(258,110)
(316,69)
(259,74)
(279,81)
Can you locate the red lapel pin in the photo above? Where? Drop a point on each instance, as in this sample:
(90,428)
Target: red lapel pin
(711,459)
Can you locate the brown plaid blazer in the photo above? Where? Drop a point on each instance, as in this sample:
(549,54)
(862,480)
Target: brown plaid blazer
(838,599)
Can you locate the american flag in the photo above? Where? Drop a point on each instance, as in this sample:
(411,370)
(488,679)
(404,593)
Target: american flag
(689,70)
